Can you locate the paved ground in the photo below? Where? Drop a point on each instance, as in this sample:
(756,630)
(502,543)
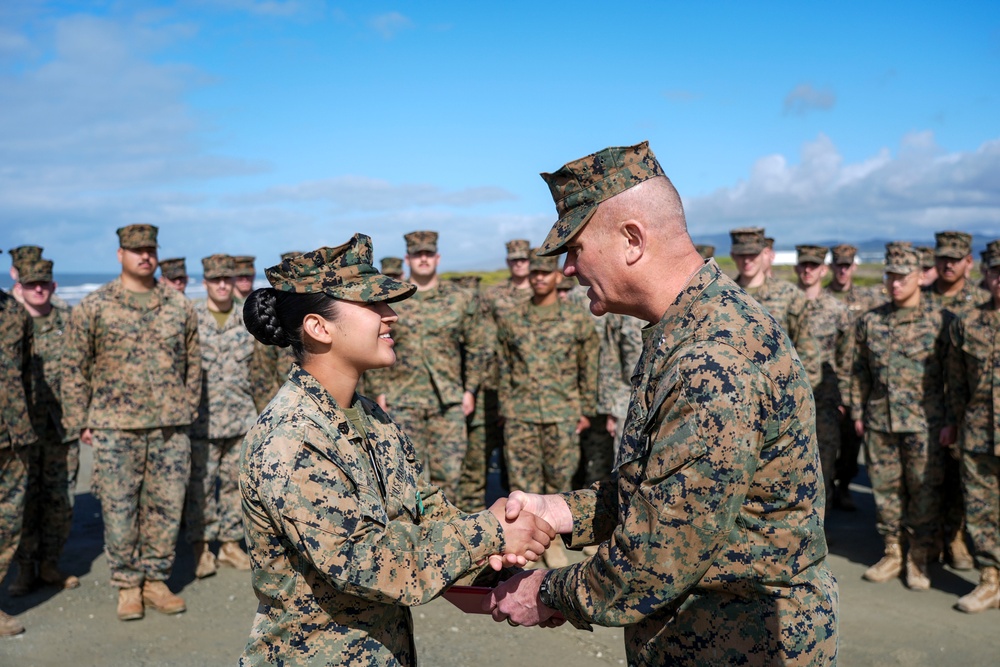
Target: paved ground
(881,625)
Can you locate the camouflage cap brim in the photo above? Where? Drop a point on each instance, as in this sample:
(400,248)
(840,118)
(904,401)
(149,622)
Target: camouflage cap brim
(747,248)
(951,253)
(564,230)
(902,269)
(372,289)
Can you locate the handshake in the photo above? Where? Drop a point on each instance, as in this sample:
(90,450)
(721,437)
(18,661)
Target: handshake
(530,522)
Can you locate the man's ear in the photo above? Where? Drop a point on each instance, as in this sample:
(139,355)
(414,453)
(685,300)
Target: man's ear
(634,234)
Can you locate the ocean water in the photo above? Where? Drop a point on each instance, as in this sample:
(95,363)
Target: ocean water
(72,287)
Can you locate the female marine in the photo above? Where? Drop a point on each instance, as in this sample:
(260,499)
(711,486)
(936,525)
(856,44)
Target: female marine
(342,534)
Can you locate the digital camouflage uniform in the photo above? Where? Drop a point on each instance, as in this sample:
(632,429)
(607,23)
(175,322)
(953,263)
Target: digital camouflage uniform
(269,368)
(858,301)
(974,397)
(619,348)
(16,433)
(785,303)
(440,348)
(829,323)
(54,463)
(713,549)
(134,378)
(898,393)
(226,412)
(548,380)
(482,443)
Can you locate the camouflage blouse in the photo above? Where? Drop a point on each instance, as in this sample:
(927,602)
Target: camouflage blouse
(343,535)
(712,547)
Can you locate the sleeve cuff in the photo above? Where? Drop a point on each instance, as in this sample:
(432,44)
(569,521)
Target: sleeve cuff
(480,533)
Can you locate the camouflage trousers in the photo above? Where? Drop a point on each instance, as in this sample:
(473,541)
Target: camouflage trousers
(485,437)
(541,458)
(597,453)
(212,509)
(13,483)
(906,472)
(439,436)
(48,507)
(981,484)
(847,457)
(141,476)
(828,437)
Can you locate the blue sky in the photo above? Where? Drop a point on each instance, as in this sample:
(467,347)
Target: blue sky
(256,127)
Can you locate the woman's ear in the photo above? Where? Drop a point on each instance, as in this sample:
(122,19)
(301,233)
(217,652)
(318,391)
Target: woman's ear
(317,328)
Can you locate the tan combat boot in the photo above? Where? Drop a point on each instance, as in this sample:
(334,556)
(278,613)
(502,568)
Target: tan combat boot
(9,626)
(555,555)
(985,596)
(155,594)
(25,582)
(917,578)
(130,604)
(204,559)
(889,567)
(51,576)
(230,554)
(958,553)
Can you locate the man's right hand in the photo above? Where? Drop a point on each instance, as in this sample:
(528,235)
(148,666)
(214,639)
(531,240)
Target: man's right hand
(87,436)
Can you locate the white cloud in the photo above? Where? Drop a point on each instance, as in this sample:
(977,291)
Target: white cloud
(390,24)
(919,190)
(804,99)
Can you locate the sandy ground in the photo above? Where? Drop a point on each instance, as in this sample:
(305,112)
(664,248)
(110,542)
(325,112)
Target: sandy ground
(880,624)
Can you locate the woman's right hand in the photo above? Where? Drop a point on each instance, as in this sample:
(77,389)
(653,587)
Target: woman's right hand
(526,536)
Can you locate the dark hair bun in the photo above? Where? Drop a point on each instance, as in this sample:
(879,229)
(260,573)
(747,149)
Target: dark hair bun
(260,314)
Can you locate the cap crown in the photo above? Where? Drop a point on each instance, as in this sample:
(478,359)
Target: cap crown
(747,240)
(343,272)
(811,253)
(843,253)
(705,251)
(547,263)
(953,244)
(175,267)
(422,241)
(991,256)
(137,236)
(579,186)
(901,257)
(243,265)
(518,249)
(24,253)
(393,265)
(35,271)
(219,265)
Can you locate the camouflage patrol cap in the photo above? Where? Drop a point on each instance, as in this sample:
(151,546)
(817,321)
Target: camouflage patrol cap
(467,281)
(579,186)
(24,253)
(926,256)
(218,266)
(547,263)
(35,271)
(769,242)
(422,241)
(815,254)
(137,236)
(843,253)
(392,266)
(290,254)
(344,272)
(991,256)
(747,241)
(955,245)
(901,257)
(243,266)
(518,249)
(705,251)
(172,268)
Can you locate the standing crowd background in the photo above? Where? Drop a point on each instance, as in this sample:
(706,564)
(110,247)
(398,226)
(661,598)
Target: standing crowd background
(165,390)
